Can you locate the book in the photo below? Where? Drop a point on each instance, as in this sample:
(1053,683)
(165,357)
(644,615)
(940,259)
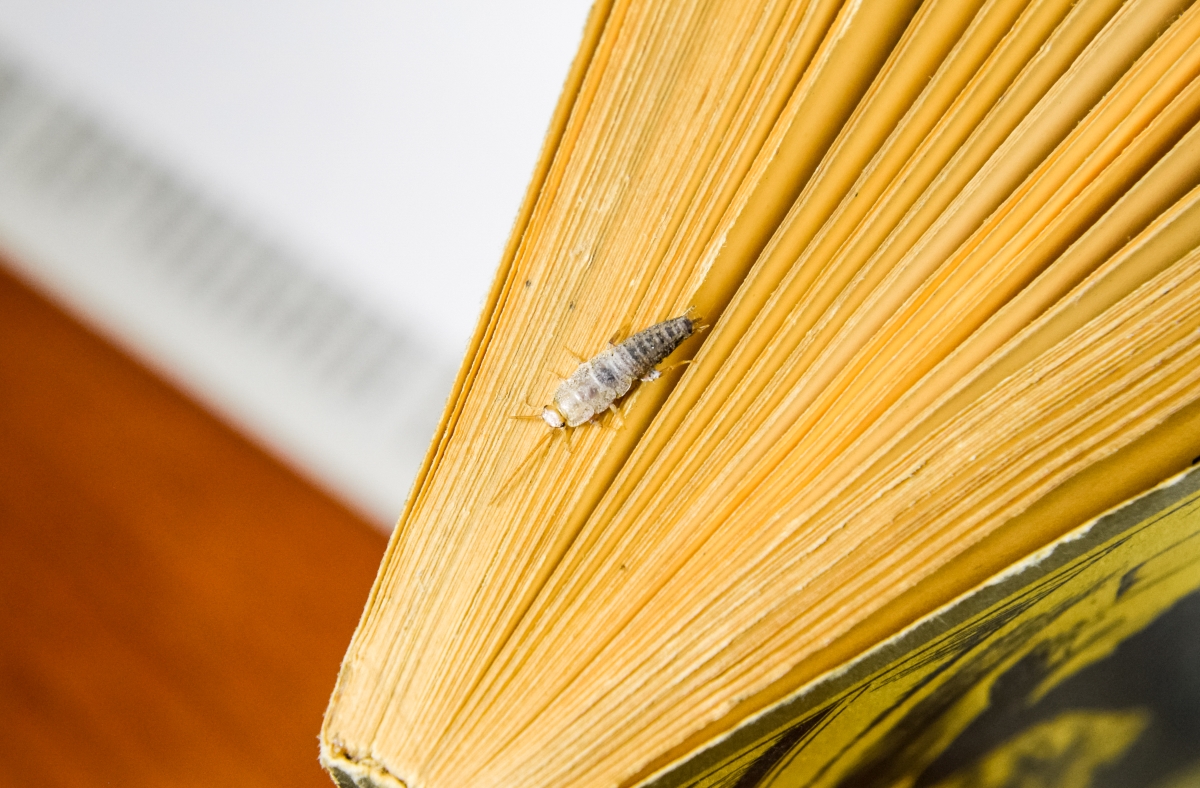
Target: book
(943,259)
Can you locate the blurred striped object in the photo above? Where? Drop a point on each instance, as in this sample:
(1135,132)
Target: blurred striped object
(346,395)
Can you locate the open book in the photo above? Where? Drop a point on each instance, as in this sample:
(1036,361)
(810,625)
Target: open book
(945,257)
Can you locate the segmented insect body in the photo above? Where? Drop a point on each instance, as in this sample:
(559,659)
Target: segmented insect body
(599,382)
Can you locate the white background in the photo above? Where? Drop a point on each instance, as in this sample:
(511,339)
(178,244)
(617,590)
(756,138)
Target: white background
(389,142)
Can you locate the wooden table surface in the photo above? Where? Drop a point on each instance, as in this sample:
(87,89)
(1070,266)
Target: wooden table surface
(174,602)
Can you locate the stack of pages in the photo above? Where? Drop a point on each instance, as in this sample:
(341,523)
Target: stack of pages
(945,261)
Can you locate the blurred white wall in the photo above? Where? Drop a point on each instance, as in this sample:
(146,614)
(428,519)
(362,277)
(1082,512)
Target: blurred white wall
(391,141)
(377,151)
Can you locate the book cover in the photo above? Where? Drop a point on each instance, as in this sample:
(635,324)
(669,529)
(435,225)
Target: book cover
(1079,666)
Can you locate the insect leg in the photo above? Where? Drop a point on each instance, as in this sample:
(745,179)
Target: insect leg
(618,336)
(676,365)
(618,421)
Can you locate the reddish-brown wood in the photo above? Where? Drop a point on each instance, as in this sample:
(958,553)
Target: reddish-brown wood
(173,601)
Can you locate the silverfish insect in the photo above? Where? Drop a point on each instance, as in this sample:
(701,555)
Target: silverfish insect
(606,377)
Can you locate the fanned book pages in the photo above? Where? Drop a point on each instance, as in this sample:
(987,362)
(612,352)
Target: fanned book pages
(940,263)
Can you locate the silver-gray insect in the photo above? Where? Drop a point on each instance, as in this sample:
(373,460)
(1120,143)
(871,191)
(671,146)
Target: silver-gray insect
(602,380)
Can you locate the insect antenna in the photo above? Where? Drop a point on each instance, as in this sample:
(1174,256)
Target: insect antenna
(539,450)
